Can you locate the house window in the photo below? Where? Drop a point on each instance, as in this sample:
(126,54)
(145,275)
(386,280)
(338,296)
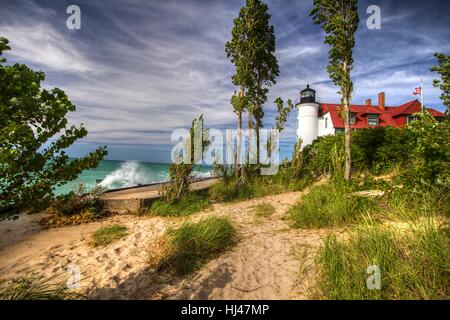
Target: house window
(352,119)
(326,123)
(411,118)
(373,120)
(339,130)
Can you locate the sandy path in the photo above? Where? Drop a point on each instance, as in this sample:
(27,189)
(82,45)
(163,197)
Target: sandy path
(264,263)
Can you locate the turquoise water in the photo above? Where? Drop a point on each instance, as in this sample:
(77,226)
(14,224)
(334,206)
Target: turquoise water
(121,174)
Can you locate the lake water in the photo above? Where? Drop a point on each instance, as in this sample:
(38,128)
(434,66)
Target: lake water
(121,174)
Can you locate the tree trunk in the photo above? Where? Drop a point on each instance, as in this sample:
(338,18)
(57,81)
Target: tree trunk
(257,143)
(238,145)
(239,168)
(348,143)
(347,132)
(249,127)
(258,120)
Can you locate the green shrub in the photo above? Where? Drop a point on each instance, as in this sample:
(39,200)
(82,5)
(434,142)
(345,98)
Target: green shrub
(382,148)
(330,204)
(78,201)
(414,264)
(188,247)
(108,234)
(291,177)
(76,207)
(33,287)
(421,150)
(429,153)
(188,204)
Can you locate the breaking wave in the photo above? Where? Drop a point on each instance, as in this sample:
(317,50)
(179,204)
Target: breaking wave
(130,174)
(133,173)
(201,174)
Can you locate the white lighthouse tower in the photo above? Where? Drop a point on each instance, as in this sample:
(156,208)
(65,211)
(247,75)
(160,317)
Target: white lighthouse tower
(308,110)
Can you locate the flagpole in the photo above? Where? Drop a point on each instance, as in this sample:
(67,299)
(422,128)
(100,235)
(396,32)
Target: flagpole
(421,91)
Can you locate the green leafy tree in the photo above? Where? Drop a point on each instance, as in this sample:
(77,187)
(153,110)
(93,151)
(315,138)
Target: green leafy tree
(252,50)
(33,136)
(430,151)
(443,69)
(280,119)
(283,113)
(239,103)
(180,173)
(339,19)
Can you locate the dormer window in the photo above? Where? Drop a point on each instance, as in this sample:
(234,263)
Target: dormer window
(352,119)
(373,120)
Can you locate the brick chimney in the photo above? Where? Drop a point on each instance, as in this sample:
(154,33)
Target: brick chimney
(381,100)
(368,102)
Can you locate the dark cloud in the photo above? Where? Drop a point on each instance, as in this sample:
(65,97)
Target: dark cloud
(138,69)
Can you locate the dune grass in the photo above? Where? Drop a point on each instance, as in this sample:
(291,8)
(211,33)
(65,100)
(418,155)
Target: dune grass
(108,234)
(77,207)
(406,205)
(32,287)
(254,187)
(263,210)
(189,247)
(414,262)
(330,205)
(189,204)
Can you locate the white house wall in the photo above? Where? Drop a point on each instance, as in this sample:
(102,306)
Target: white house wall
(321,129)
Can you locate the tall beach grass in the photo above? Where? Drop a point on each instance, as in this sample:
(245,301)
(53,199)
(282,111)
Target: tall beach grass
(187,248)
(189,204)
(406,205)
(330,204)
(255,186)
(414,262)
(34,287)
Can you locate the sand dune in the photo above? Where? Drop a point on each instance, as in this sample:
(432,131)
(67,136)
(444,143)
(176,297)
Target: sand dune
(264,263)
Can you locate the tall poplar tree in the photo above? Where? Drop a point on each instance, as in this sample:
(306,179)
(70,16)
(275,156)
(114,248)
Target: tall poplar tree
(252,50)
(339,19)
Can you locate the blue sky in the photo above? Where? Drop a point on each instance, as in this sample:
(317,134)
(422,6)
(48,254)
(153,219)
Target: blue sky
(139,69)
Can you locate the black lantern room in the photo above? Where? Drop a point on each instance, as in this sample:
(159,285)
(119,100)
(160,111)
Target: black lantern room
(307,95)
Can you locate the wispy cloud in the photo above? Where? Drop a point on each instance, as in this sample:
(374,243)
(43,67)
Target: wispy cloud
(138,69)
(46,48)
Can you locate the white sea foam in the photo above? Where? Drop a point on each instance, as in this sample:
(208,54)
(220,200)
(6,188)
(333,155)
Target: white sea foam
(128,175)
(132,173)
(199,174)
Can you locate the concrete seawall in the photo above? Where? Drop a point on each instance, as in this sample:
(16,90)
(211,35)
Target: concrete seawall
(136,198)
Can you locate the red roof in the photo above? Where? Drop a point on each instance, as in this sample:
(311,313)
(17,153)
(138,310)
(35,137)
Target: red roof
(390,116)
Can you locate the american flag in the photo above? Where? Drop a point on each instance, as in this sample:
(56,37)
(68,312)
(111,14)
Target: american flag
(417,91)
